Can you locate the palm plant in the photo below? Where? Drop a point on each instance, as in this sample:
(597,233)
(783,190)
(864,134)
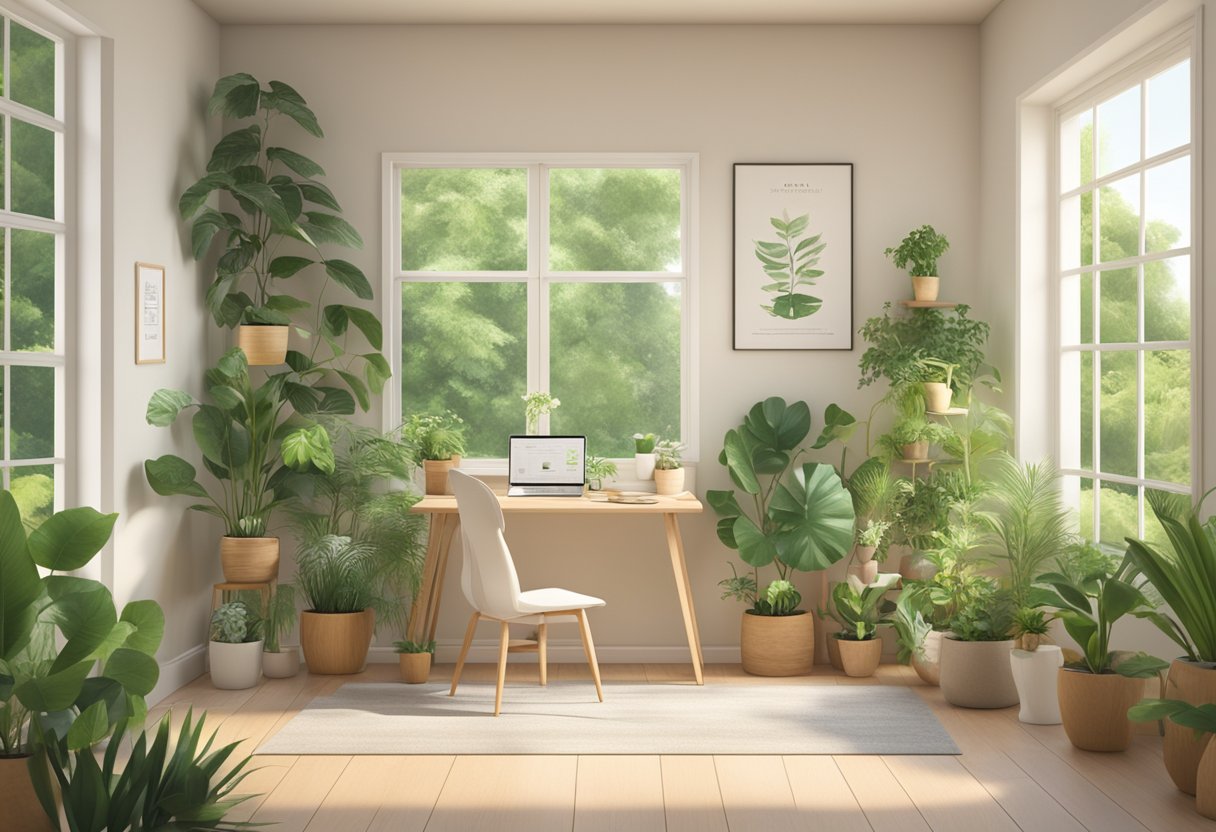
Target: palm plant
(280,616)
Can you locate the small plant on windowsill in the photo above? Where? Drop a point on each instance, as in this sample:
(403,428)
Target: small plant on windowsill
(598,470)
(415,660)
(537,404)
(643,455)
(668,467)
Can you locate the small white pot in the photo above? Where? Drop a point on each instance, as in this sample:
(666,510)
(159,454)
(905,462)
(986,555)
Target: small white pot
(235,666)
(668,481)
(1035,674)
(928,662)
(937,396)
(281,665)
(645,466)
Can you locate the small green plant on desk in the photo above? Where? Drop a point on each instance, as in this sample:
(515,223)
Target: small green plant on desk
(643,443)
(598,470)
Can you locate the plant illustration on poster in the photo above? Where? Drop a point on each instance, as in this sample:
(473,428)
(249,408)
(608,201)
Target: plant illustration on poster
(793,237)
(149,313)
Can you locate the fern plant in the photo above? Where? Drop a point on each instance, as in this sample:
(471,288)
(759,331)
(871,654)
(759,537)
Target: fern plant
(790,265)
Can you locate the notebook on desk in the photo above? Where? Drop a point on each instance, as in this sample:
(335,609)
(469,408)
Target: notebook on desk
(546,466)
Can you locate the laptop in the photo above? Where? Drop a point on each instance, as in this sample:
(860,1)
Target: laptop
(546,466)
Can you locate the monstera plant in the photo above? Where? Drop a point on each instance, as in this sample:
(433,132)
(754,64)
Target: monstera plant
(800,520)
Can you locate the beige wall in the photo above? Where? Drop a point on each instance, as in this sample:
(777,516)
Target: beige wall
(901,103)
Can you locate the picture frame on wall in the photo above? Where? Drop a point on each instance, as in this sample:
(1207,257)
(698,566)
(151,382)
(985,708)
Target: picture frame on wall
(149,313)
(793,256)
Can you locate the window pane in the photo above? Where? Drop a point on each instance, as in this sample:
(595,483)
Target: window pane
(1117,413)
(1167,206)
(32,68)
(1119,131)
(464,348)
(615,219)
(33,165)
(33,301)
(1087,410)
(1077,151)
(1119,229)
(32,410)
(1167,416)
(464,219)
(615,362)
(1169,109)
(1167,299)
(1119,306)
(1077,231)
(33,490)
(1085,508)
(1120,513)
(1076,309)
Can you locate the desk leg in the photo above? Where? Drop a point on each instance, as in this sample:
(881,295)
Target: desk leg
(420,611)
(679,568)
(445,545)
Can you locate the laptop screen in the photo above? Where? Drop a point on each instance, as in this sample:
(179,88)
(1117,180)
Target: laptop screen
(546,460)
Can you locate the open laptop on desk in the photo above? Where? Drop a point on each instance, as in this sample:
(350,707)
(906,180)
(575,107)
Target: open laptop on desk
(546,466)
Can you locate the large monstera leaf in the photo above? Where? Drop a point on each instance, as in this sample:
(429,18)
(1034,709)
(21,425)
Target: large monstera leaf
(762,444)
(814,515)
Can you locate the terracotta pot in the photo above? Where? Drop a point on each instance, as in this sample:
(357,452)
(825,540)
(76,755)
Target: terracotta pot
(644,463)
(778,645)
(976,674)
(437,474)
(928,664)
(859,658)
(1205,783)
(263,345)
(1035,673)
(833,645)
(336,643)
(415,667)
(914,566)
(235,666)
(866,572)
(915,450)
(937,396)
(1194,683)
(926,287)
(865,554)
(1093,708)
(281,665)
(669,482)
(250,560)
(22,811)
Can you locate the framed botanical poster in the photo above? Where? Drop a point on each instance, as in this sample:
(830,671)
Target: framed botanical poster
(793,234)
(149,313)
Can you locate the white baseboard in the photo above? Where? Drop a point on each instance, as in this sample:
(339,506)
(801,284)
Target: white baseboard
(563,651)
(178,672)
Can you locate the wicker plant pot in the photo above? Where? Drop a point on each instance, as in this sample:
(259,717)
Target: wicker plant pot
(778,645)
(669,482)
(833,645)
(929,666)
(336,643)
(859,658)
(976,674)
(1194,683)
(415,667)
(926,287)
(250,560)
(21,808)
(1093,708)
(263,345)
(437,474)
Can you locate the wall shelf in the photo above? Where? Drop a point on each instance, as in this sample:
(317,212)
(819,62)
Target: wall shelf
(928,304)
(954,411)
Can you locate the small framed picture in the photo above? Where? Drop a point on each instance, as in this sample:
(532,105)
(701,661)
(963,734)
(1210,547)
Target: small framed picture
(793,240)
(149,313)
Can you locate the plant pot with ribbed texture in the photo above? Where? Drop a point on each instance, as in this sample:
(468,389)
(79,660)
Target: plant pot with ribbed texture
(336,643)
(778,645)
(669,482)
(859,658)
(415,667)
(1093,708)
(437,474)
(976,674)
(833,647)
(264,345)
(926,287)
(21,810)
(1195,684)
(250,560)
(928,663)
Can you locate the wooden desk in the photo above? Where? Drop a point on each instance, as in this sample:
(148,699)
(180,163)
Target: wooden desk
(424,616)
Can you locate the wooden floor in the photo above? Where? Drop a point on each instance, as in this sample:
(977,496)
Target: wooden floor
(1010,776)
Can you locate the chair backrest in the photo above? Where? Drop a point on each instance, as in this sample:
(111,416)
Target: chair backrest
(488,577)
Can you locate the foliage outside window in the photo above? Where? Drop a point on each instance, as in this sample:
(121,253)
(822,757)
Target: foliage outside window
(1125,287)
(552,276)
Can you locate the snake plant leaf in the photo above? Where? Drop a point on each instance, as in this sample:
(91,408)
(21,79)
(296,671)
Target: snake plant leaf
(170,475)
(838,424)
(69,539)
(739,462)
(240,147)
(795,306)
(755,547)
(20,587)
(814,513)
(165,406)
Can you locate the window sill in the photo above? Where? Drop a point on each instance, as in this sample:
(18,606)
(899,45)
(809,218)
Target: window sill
(494,472)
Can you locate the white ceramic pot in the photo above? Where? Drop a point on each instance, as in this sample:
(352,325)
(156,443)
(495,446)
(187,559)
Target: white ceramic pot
(1034,674)
(976,674)
(235,666)
(937,396)
(645,466)
(669,482)
(281,665)
(928,662)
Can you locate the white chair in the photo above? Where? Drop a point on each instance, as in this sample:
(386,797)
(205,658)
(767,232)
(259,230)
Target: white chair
(491,585)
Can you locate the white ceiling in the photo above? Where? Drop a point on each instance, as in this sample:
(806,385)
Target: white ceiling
(598,11)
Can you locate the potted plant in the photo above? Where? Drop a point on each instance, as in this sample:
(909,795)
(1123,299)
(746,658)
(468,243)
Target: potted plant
(668,467)
(1200,720)
(536,405)
(912,436)
(1035,664)
(337,579)
(598,470)
(415,660)
(436,442)
(802,520)
(860,610)
(70,664)
(234,651)
(1181,575)
(1096,693)
(975,671)
(938,382)
(868,539)
(279,199)
(913,639)
(918,253)
(643,457)
(280,661)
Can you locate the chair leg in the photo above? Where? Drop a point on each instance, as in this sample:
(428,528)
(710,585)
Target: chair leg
(542,652)
(589,649)
(502,666)
(464,651)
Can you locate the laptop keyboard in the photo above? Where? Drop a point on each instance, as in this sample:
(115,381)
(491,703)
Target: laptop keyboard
(543,491)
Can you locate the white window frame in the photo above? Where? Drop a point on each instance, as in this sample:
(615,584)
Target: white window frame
(538,274)
(62,123)
(1178,45)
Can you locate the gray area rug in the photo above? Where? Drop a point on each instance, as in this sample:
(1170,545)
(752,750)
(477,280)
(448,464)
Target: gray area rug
(564,718)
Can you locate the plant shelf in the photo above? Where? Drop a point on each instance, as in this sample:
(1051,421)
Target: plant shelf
(928,304)
(921,461)
(954,411)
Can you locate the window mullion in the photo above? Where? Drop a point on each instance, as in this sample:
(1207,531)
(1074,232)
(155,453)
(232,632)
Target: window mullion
(538,259)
